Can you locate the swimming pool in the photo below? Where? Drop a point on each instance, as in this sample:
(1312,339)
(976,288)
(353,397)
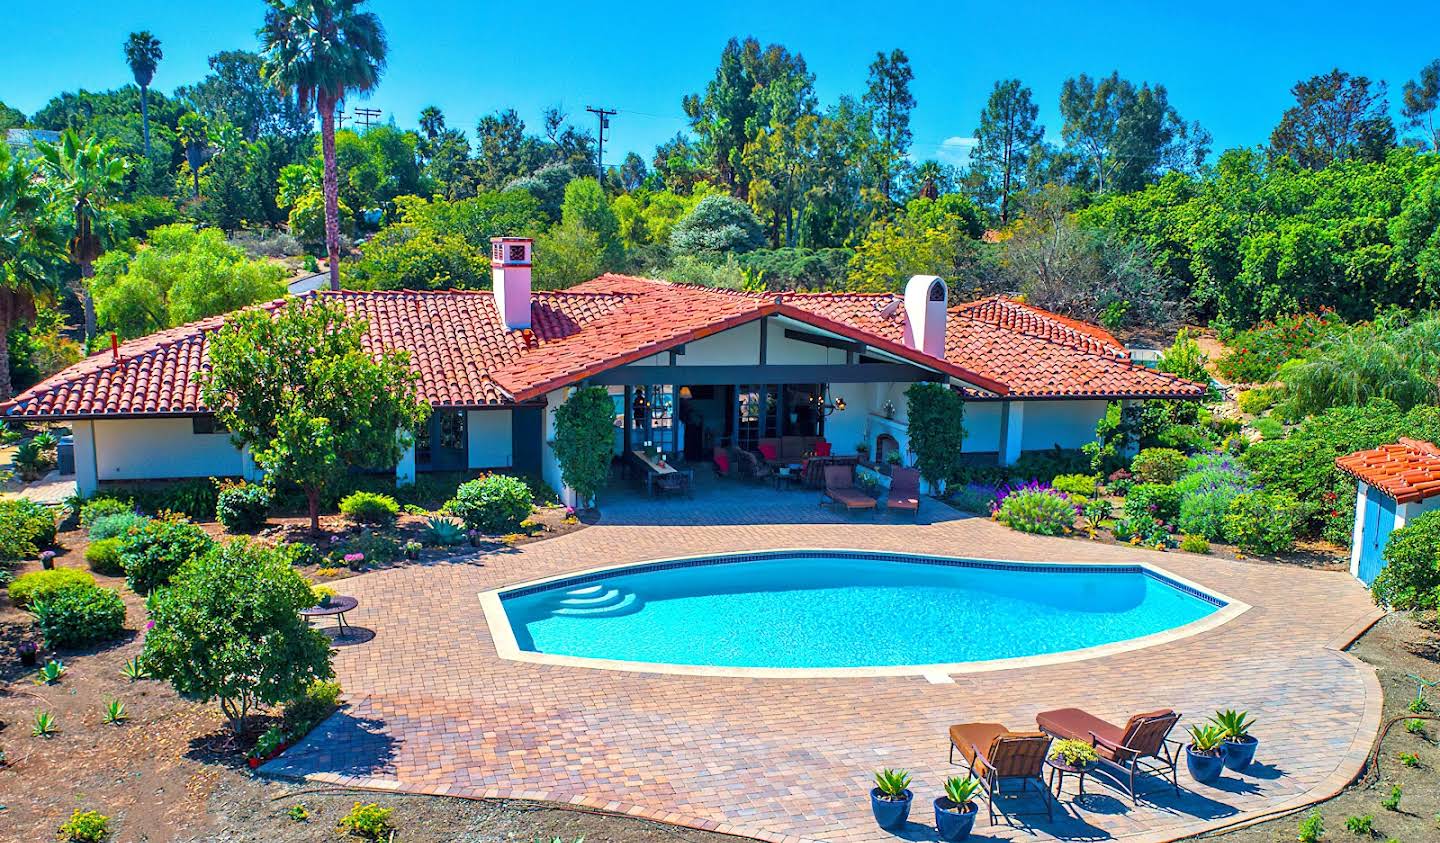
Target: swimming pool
(843,609)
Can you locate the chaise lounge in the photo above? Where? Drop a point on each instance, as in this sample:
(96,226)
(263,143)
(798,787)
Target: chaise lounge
(840,489)
(1008,757)
(1141,745)
(904,491)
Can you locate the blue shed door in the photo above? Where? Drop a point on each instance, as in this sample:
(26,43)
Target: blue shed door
(1379,523)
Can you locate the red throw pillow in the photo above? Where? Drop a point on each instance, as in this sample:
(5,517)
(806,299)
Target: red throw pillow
(822,448)
(722,462)
(767,451)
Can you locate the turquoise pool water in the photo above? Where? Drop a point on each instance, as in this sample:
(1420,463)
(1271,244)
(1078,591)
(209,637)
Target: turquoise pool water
(840,610)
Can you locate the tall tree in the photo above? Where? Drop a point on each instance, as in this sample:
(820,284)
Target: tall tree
(633,172)
(322,50)
(929,178)
(503,152)
(236,92)
(1421,97)
(888,96)
(86,175)
(432,122)
(29,249)
(1007,134)
(1336,117)
(143,54)
(1126,135)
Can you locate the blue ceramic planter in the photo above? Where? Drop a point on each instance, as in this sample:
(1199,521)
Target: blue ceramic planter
(890,814)
(1240,754)
(1205,769)
(951,824)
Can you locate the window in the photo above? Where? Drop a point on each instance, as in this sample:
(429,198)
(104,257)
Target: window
(206,425)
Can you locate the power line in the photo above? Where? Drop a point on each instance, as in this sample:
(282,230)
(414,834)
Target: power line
(366,115)
(604,115)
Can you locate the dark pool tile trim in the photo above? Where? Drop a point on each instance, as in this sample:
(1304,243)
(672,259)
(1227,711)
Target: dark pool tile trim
(875,556)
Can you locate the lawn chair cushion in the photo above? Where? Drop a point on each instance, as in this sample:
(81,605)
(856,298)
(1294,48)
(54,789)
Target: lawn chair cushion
(967,736)
(1079,725)
(722,461)
(822,448)
(768,451)
(1015,754)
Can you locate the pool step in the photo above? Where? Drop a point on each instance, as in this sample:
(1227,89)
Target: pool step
(583,598)
(608,603)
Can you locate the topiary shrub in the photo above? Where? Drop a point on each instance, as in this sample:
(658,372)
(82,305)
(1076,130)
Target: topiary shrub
(242,507)
(584,439)
(27,588)
(1037,510)
(1159,465)
(369,508)
(1411,578)
(77,615)
(26,528)
(1264,522)
(153,552)
(937,431)
(116,525)
(496,503)
(97,508)
(103,557)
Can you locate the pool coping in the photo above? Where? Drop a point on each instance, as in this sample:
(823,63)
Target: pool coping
(507,647)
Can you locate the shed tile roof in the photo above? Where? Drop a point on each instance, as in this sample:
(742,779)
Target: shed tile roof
(1408,470)
(465,356)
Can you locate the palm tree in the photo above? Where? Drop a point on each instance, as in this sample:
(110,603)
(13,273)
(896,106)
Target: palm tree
(87,175)
(321,50)
(432,122)
(928,176)
(194,133)
(29,249)
(142,53)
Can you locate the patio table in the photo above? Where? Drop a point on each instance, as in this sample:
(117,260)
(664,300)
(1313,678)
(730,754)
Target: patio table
(339,605)
(653,468)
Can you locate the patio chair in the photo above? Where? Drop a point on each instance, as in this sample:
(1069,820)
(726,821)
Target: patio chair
(1142,745)
(1007,760)
(840,489)
(750,466)
(904,491)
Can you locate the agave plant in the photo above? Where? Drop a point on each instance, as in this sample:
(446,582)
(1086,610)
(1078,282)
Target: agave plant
(45,441)
(45,725)
(1233,724)
(892,783)
(134,670)
(961,790)
(444,532)
(1206,738)
(50,673)
(115,713)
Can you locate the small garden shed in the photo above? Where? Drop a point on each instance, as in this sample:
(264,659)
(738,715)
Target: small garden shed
(1396,484)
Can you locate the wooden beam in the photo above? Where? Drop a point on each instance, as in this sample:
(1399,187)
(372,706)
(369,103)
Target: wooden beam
(801,373)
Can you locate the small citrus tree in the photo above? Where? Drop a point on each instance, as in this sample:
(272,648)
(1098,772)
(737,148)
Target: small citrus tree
(937,431)
(585,440)
(227,628)
(298,387)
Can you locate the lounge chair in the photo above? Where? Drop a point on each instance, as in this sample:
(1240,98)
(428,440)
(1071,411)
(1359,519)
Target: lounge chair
(750,466)
(1141,745)
(840,489)
(1006,758)
(904,490)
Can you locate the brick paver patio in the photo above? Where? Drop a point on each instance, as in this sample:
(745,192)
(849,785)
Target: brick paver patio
(434,710)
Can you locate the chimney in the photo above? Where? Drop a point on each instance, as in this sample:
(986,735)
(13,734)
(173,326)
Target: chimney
(926,298)
(510,279)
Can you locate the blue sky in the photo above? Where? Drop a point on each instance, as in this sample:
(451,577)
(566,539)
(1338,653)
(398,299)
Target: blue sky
(1229,65)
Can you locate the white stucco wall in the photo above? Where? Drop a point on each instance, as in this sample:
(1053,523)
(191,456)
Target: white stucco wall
(154,449)
(1068,424)
(490,439)
(982,427)
(740,346)
(549,464)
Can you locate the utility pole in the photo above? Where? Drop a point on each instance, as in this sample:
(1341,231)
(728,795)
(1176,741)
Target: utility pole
(604,115)
(340,118)
(366,115)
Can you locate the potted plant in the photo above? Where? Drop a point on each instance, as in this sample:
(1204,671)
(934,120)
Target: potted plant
(412,549)
(29,650)
(323,595)
(1077,755)
(863,449)
(1239,746)
(955,812)
(1205,755)
(890,798)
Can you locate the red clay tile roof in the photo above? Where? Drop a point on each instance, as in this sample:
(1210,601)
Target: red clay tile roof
(1407,471)
(466,358)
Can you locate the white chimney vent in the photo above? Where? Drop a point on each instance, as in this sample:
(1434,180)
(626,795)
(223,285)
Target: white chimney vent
(510,279)
(926,299)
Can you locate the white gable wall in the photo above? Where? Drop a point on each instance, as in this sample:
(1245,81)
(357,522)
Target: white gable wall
(160,448)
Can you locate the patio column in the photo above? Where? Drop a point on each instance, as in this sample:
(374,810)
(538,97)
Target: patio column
(405,468)
(1358,532)
(87,475)
(1012,430)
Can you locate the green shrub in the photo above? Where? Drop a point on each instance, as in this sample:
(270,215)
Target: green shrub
(1194,544)
(85,827)
(1076,484)
(1039,511)
(377,549)
(369,508)
(1145,529)
(496,503)
(306,711)
(1269,427)
(369,821)
(1047,465)
(79,614)
(1159,465)
(116,525)
(1157,500)
(1411,578)
(1257,353)
(1264,522)
(26,528)
(194,498)
(242,507)
(1202,514)
(153,552)
(103,557)
(97,508)
(1256,401)
(1188,438)
(28,588)
(298,554)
